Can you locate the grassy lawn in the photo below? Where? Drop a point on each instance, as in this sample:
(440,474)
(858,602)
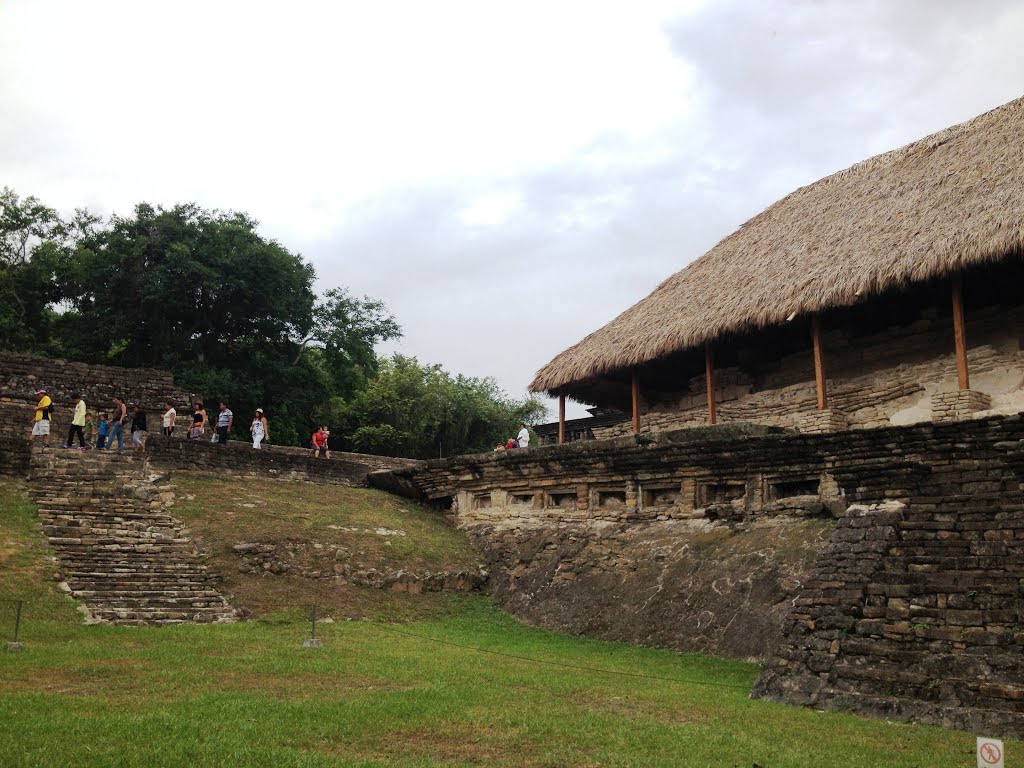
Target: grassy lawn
(461,685)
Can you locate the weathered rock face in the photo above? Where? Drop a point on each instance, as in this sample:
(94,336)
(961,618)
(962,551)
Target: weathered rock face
(913,608)
(688,585)
(310,560)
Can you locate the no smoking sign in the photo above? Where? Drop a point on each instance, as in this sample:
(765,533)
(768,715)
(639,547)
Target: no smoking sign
(990,753)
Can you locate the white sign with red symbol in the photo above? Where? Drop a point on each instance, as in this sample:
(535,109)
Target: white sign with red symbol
(990,753)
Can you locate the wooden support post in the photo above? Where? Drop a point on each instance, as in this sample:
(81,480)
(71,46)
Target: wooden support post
(709,376)
(561,418)
(636,402)
(960,334)
(819,364)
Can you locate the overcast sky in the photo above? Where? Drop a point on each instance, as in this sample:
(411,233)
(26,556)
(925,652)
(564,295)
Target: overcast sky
(506,177)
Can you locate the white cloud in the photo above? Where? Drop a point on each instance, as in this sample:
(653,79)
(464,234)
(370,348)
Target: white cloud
(506,178)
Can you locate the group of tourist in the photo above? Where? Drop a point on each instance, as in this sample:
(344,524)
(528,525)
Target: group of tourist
(110,426)
(522,440)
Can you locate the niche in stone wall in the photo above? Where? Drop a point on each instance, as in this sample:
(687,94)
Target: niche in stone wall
(720,492)
(560,500)
(661,495)
(792,487)
(610,497)
(522,498)
(482,501)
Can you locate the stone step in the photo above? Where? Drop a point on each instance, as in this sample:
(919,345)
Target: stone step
(152,599)
(119,550)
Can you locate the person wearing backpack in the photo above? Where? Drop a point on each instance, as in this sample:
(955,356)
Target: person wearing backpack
(41,422)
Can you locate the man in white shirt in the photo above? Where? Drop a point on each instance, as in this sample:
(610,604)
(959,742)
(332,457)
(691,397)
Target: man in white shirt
(523,438)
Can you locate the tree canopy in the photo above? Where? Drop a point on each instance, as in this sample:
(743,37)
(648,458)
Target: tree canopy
(234,316)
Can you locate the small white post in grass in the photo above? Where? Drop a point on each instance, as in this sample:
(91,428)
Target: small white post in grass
(314,641)
(990,753)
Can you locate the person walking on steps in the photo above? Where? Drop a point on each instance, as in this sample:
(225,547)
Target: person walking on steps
(115,428)
(41,421)
(101,435)
(138,428)
(77,424)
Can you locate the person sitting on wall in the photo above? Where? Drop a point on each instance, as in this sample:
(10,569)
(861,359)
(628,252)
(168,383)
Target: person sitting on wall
(511,444)
(41,420)
(319,441)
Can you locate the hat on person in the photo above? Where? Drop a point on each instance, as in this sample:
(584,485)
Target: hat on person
(41,391)
(259,410)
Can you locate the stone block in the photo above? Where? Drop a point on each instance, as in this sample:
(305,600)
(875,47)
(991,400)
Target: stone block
(953,406)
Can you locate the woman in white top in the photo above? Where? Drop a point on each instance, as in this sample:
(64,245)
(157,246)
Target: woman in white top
(259,429)
(523,438)
(168,420)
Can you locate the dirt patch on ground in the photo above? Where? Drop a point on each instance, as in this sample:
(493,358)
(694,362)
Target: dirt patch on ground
(635,708)
(110,679)
(463,744)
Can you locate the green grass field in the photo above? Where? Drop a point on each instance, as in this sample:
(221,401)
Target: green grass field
(458,684)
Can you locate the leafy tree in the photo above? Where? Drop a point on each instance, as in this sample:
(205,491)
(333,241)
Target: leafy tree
(421,411)
(229,312)
(30,239)
(233,315)
(166,287)
(347,329)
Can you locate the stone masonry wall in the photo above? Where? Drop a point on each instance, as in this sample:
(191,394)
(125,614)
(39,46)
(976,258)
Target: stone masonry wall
(22,375)
(874,380)
(285,463)
(725,540)
(15,455)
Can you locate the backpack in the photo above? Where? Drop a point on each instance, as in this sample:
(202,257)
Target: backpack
(49,408)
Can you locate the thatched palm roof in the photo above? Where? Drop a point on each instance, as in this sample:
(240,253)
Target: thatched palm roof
(949,201)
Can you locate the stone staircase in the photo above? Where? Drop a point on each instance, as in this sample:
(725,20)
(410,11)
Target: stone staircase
(118,550)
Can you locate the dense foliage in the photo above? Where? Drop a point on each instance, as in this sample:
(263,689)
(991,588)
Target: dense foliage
(234,316)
